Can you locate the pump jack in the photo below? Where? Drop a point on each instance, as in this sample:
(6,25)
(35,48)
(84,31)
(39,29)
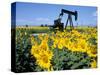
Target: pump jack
(57,22)
(70,13)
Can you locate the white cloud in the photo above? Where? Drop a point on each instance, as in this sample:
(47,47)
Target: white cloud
(42,19)
(20,20)
(24,21)
(95,13)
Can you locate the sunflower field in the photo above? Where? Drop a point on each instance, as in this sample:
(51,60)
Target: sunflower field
(52,51)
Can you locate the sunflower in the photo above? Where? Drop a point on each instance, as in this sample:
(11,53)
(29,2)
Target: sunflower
(44,60)
(93,64)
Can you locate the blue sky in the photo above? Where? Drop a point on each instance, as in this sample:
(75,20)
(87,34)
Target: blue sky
(37,14)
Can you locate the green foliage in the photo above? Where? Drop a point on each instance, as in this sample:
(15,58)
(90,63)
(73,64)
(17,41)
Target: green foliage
(65,59)
(24,61)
